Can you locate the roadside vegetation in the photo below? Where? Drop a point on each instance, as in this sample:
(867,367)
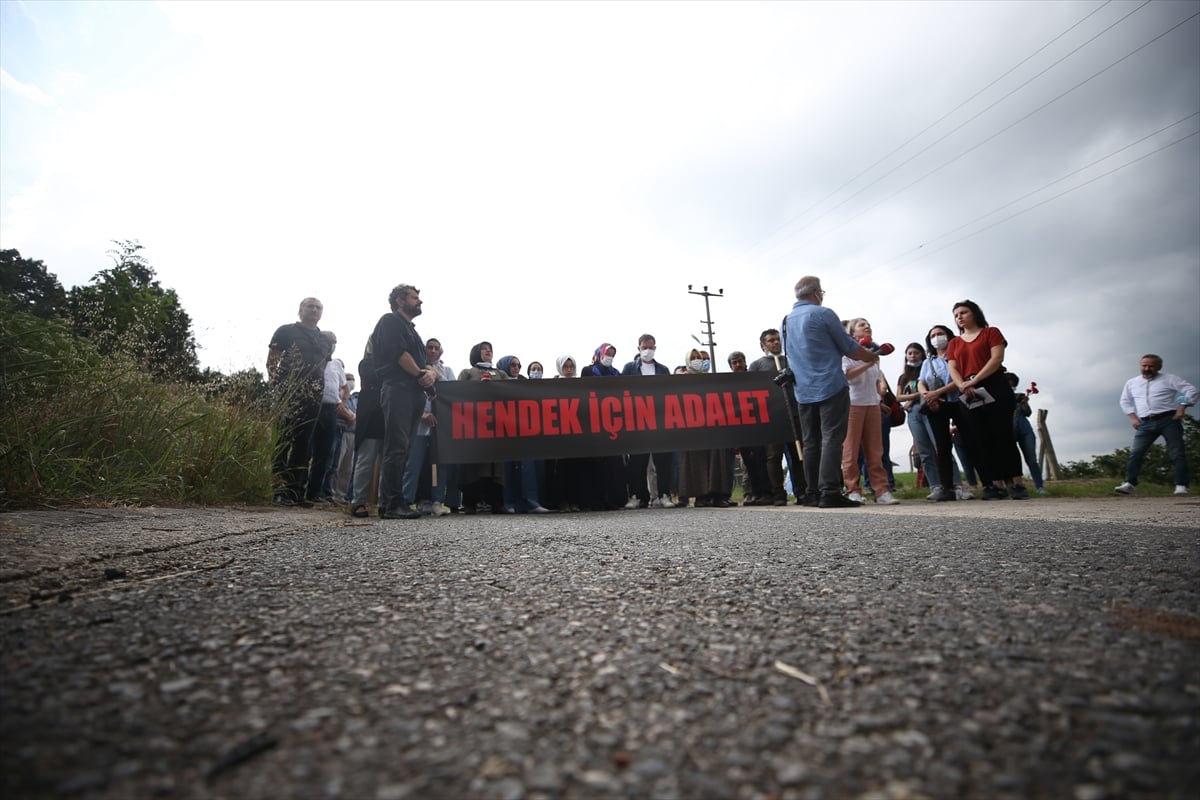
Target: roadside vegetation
(102,403)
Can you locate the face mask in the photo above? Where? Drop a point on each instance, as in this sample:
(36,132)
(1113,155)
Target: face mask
(696,364)
(910,363)
(648,354)
(350,384)
(706,365)
(535,375)
(607,361)
(939,342)
(483,364)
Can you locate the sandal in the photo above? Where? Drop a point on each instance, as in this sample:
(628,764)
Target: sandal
(360,511)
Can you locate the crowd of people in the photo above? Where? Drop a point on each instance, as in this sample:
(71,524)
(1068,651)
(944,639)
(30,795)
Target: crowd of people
(376,446)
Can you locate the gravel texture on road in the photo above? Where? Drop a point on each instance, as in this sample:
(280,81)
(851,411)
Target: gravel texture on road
(1044,649)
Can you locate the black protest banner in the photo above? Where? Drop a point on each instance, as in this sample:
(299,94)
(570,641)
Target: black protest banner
(567,418)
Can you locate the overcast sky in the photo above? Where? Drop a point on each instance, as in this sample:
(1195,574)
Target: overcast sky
(555,175)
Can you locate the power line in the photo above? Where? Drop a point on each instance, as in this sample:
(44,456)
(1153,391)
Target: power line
(1003,130)
(1042,188)
(1060,194)
(942,118)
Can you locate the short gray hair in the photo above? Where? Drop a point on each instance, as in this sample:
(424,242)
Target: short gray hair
(808,286)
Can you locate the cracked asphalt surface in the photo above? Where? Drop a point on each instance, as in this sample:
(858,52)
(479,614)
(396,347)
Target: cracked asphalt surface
(1049,648)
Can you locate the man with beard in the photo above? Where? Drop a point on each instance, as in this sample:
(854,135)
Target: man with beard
(399,356)
(773,360)
(1155,402)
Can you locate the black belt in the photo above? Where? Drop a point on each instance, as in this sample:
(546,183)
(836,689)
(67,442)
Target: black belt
(1158,416)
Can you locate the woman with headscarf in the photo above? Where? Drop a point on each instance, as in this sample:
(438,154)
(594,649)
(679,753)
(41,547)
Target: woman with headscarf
(566,367)
(604,484)
(520,477)
(564,484)
(482,485)
(704,474)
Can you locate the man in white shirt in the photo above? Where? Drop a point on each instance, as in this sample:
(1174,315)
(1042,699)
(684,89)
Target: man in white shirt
(1155,402)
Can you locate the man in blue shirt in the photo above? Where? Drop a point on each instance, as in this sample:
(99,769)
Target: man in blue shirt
(815,341)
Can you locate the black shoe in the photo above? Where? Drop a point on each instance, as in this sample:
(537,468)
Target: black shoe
(1019,492)
(996,493)
(837,501)
(284,500)
(945,496)
(401,512)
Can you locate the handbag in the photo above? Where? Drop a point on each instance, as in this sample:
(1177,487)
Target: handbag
(897,411)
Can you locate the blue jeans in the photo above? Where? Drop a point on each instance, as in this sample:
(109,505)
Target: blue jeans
(1147,432)
(521,485)
(1027,443)
(922,436)
(418,454)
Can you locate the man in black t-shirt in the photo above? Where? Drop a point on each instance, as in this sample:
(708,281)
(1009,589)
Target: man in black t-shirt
(399,357)
(296,360)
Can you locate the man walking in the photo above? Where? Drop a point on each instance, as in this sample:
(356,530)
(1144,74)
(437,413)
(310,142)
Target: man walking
(399,357)
(814,341)
(1155,402)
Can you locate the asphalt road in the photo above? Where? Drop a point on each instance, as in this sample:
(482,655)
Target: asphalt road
(1049,648)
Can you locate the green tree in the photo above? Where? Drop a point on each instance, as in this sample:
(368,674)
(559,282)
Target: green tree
(30,287)
(1157,468)
(124,309)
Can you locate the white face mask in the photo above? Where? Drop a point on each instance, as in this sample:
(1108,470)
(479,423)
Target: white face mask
(535,375)
(648,354)
(607,361)
(939,342)
(350,384)
(696,364)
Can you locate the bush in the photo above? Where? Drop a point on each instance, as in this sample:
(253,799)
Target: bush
(79,427)
(1157,467)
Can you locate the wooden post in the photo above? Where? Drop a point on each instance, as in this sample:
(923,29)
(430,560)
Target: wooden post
(1046,458)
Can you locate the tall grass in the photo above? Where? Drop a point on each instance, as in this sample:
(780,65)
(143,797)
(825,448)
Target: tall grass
(80,428)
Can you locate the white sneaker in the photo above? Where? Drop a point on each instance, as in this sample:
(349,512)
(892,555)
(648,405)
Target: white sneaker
(665,502)
(656,503)
(438,510)
(1126,488)
(425,507)
(855,496)
(633,503)
(934,494)
(963,493)
(1043,490)
(886,499)
(1180,489)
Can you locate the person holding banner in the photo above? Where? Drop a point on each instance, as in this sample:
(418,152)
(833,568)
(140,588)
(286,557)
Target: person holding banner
(604,482)
(704,475)
(639,463)
(815,341)
(482,484)
(563,485)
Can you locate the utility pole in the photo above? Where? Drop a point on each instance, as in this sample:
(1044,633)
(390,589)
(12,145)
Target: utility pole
(708,331)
